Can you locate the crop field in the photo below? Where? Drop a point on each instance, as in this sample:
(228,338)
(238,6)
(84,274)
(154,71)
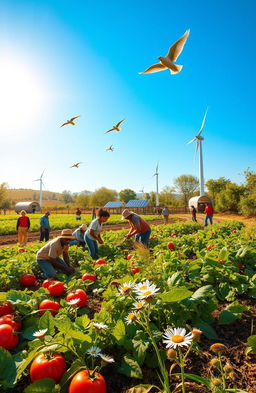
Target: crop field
(57,221)
(177,317)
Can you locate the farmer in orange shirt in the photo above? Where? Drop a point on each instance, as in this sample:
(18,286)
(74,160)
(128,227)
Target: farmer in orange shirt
(208,214)
(139,227)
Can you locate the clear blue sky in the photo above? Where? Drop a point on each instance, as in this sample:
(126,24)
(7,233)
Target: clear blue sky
(64,58)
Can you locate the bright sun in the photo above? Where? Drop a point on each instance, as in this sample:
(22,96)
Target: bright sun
(22,97)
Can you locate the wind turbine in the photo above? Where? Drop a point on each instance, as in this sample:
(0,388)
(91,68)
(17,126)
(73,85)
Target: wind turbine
(199,140)
(156,175)
(41,189)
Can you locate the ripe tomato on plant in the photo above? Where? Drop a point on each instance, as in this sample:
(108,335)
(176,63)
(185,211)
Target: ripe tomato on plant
(49,305)
(21,250)
(28,280)
(87,381)
(135,270)
(47,282)
(174,235)
(78,294)
(8,339)
(210,247)
(171,246)
(56,288)
(5,308)
(9,319)
(130,256)
(90,277)
(100,262)
(48,365)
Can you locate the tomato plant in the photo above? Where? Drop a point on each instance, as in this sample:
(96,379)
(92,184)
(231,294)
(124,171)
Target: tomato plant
(9,319)
(28,280)
(47,283)
(87,381)
(135,270)
(56,288)
(90,277)
(171,246)
(130,256)
(78,294)
(5,308)
(47,365)
(50,305)
(100,262)
(8,339)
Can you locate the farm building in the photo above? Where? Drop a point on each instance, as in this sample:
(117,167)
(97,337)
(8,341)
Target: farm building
(199,202)
(142,206)
(29,207)
(114,207)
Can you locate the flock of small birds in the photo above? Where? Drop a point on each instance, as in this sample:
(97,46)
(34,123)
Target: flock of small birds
(165,62)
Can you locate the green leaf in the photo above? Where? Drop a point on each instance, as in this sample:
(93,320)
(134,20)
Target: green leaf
(18,297)
(232,312)
(3,296)
(45,385)
(119,331)
(7,368)
(140,349)
(235,390)
(76,365)
(63,324)
(196,378)
(251,341)
(175,279)
(130,367)
(176,294)
(83,321)
(28,333)
(223,254)
(201,293)
(47,322)
(141,389)
(208,331)
(23,365)
(213,262)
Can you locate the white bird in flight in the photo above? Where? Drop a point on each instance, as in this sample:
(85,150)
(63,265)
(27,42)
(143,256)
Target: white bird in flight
(116,127)
(70,121)
(167,61)
(110,148)
(76,165)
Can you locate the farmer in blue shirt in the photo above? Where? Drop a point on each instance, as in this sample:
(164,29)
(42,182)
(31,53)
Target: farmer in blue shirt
(79,236)
(44,227)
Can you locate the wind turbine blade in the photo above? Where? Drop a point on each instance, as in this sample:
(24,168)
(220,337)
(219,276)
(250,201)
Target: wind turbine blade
(42,174)
(37,180)
(157,168)
(43,184)
(192,140)
(202,125)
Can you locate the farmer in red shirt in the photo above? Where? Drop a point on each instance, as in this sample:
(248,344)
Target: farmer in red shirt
(209,213)
(23,224)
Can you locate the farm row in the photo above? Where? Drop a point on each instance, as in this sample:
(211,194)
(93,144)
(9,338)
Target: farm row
(148,316)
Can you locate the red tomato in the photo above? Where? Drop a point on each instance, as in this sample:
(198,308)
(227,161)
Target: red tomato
(21,250)
(49,304)
(100,262)
(213,233)
(78,294)
(56,288)
(210,247)
(90,277)
(220,261)
(5,308)
(153,237)
(234,231)
(130,256)
(47,283)
(48,366)
(28,280)
(82,383)
(9,319)
(174,235)
(171,246)
(135,270)
(8,339)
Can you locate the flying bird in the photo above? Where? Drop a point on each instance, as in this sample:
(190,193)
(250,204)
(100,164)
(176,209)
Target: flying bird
(110,148)
(167,61)
(76,165)
(115,128)
(70,121)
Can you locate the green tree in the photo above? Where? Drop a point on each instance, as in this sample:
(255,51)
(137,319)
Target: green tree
(151,196)
(216,186)
(82,199)
(250,181)
(126,195)
(101,196)
(67,196)
(229,199)
(3,192)
(166,196)
(247,205)
(186,185)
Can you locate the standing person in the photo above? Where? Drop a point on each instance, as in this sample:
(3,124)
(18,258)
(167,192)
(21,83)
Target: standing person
(48,257)
(139,227)
(79,236)
(209,213)
(193,211)
(93,213)
(165,213)
(44,227)
(92,235)
(78,214)
(23,225)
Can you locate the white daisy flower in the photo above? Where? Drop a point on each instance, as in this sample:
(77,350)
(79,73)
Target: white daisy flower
(142,286)
(177,337)
(99,326)
(94,351)
(106,358)
(139,305)
(149,292)
(40,333)
(73,302)
(130,318)
(125,288)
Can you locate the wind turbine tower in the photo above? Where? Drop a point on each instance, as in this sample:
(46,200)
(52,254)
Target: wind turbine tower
(156,175)
(41,189)
(199,140)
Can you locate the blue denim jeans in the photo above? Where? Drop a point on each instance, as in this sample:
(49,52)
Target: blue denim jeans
(143,237)
(48,269)
(194,218)
(206,220)
(92,247)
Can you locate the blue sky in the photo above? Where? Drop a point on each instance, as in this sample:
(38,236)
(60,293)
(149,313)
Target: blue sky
(64,58)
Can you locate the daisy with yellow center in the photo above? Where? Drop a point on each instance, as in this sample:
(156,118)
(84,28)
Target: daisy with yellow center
(139,305)
(177,337)
(126,288)
(94,351)
(130,318)
(148,293)
(142,286)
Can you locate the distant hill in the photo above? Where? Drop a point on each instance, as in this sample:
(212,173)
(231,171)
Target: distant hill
(23,194)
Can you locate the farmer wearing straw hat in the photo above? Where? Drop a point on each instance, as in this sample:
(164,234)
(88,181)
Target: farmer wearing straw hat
(79,236)
(139,227)
(48,257)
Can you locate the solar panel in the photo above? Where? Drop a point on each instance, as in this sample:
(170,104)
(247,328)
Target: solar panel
(114,204)
(137,203)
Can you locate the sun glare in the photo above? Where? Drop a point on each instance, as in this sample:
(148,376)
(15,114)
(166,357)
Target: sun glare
(22,97)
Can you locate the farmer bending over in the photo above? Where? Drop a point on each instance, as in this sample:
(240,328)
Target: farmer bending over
(139,227)
(48,257)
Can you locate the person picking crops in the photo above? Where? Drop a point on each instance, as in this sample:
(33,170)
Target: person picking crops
(139,227)
(92,235)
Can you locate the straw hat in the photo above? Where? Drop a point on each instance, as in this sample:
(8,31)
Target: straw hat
(66,234)
(23,212)
(126,213)
(83,227)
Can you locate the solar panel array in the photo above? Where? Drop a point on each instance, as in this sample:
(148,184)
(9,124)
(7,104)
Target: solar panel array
(114,204)
(137,203)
